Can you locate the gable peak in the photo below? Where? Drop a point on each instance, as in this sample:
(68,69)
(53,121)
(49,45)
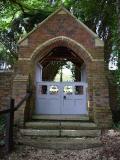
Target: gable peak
(62,10)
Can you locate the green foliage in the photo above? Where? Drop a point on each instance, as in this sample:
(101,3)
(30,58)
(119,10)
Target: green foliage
(2,123)
(6,56)
(116,125)
(2,129)
(7,15)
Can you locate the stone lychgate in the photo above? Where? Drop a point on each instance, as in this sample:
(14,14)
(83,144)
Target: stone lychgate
(62,32)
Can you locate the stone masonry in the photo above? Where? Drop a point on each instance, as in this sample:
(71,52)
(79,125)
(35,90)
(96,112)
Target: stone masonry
(6,79)
(63,29)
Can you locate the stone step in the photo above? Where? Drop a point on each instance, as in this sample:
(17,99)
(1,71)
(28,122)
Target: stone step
(78,125)
(61,117)
(60,125)
(43,125)
(60,143)
(59,133)
(80,133)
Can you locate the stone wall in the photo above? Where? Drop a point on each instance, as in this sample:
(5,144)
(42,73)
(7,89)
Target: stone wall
(102,112)
(6,79)
(14,87)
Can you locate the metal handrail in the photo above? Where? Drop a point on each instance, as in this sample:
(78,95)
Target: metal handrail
(10,120)
(18,105)
(22,101)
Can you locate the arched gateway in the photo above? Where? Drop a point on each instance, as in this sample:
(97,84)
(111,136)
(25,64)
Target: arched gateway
(60,97)
(59,39)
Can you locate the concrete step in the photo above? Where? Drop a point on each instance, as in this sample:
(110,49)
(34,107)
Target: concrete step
(60,125)
(61,117)
(60,143)
(59,133)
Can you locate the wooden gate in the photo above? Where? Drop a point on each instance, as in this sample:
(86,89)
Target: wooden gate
(61,98)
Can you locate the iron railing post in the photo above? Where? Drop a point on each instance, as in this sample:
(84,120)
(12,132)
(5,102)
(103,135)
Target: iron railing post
(9,127)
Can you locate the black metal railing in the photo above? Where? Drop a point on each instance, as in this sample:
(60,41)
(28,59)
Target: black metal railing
(10,120)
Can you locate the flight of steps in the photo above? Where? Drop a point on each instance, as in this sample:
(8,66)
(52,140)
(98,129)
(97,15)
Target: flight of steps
(60,132)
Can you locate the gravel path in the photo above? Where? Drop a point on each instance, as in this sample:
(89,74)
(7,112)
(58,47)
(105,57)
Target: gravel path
(110,151)
(30,153)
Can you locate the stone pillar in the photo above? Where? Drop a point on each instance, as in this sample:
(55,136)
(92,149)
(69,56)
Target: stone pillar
(90,98)
(102,112)
(19,91)
(90,91)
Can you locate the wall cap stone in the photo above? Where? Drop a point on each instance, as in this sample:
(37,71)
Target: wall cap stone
(99,42)
(25,42)
(62,12)
(6,71)
(24,59)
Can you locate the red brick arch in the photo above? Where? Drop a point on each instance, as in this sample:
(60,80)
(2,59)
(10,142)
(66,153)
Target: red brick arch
(42,50)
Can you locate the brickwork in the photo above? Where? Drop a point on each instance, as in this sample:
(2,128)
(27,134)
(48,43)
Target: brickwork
(62,29)
(19,91)
(5,89)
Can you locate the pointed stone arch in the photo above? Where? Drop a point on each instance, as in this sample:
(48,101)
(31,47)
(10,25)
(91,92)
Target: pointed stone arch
(43,49)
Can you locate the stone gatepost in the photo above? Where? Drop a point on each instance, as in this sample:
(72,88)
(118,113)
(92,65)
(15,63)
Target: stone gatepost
(20,84)
(102,111)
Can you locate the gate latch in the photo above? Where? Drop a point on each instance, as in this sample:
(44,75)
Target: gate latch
(64,97)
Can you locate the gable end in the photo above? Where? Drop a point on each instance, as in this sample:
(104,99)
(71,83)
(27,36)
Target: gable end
(62,11)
